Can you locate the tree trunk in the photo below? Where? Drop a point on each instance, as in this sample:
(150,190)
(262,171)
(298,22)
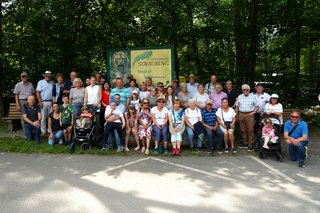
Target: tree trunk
(1,63)
(297,56)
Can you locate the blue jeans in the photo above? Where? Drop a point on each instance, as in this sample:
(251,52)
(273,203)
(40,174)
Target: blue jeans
(56,136)
(190,133)
(211,145)
(32,132)
(161,133)
(116,138)
(76,109)
(112,127)
(298,152)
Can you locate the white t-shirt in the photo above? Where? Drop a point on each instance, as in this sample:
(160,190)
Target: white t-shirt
(262,100)
(227,116)
(201,99)
(274,108)
(114,112)
(93,94)
(193,116)
(160,116)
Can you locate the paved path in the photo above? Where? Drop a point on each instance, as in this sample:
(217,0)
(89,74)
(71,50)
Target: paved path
(85,183)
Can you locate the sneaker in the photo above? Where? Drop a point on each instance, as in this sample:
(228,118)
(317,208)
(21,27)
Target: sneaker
(191,149)
(119,149)
(177,152)
(143,149)
(226,150)
(210,152)
(305,152)
(220,151)
(165,151)
(103,149)
(60,141)
(301,165)
(147,152)
(233,150)
(126,149)
(137,148)
(250,149)
(199,149)
(174,152)
(156,150)
(243,146)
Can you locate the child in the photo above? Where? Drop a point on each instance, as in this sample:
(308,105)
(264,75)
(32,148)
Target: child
(85,118)
(66,110)
(268,133)
(132,126)
(134,100)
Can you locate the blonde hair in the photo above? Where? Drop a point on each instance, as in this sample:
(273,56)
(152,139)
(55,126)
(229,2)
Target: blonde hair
(79,80)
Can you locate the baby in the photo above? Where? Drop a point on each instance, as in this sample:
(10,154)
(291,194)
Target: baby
(84,119)
(268,133)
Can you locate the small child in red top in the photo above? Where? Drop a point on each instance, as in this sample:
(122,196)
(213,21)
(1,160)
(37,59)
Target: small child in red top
(268,133)
(85,118)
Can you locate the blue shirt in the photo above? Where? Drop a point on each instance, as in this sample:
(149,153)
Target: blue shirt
(176,116)
(302,129)
(124,94)
(45,88)
(209,118)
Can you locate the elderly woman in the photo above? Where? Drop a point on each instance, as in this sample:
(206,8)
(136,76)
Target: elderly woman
(159,115)
(76,96)
(184,96)
(201,97)
(57,90)
(177,126)
(274,108)
(143,93)
(227,120)
(194,125)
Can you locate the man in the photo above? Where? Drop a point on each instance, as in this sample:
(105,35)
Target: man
(209,121)
(98,78)
(210,87)
(192,86)
(123,92)
(262,98)
(149,84)
(296,136)
(69,82)
(217,96)
(44,96)
(246,107)
(127,84)
(22,91)
(31,113)
(231,93)
(176,87)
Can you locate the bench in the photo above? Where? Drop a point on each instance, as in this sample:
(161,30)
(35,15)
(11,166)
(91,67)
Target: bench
(13,115)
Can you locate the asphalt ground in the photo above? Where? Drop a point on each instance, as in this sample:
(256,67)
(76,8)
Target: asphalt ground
(220,183)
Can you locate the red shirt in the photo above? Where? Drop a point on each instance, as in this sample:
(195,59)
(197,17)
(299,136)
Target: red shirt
(105,99)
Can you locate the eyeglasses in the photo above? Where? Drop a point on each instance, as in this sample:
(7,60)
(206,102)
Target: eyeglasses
(24,76)
(145,102)
(160,86)
(245,90)
(161,102)
(294,117)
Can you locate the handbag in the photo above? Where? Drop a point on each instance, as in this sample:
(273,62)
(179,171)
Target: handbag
(227,123)
(198,128)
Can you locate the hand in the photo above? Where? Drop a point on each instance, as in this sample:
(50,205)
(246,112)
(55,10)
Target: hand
(122,126)
(36,123)
(18,109)
(41,104)
(288,141)
(51,136)
(252,113)
(232,126)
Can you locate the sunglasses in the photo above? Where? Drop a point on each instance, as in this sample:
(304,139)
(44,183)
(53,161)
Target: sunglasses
(160,86)
(294,116)
(145,102)
(24,76)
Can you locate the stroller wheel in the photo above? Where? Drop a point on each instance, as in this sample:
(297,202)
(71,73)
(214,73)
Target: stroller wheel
(262,155)
(85,146)
(72,147)
(279,157)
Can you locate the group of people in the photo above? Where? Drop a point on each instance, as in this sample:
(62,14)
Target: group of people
(128,108)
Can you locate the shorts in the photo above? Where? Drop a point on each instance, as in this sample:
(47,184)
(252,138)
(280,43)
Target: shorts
(65,126)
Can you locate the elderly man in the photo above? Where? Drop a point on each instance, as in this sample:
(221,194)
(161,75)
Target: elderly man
(262,98)
(192,86)
(69,82)
(210,87)
(296,136)
(246,107)
(149,84)
(44,96)
(31,113)
(176,86)
(122,91)
(22,91)
(209,121)
(217,96)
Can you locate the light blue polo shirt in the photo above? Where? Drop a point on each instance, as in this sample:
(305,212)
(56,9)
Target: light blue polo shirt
(45,89)
(302,129)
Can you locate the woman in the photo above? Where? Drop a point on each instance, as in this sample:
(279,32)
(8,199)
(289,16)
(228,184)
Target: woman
(161,91)
(194,124)
(177,126)
(114,121)
(145,126)
(184,96)
(274,108)
(76,96)
(170,97)
(57,90)
(152,98)
(227,120)
(105,93)
(160,127)
(55,125)
(92,94)
(132,86)
(231,93)
(144,93)
(201,97)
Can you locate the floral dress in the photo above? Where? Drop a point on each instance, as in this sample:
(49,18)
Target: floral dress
(144,118)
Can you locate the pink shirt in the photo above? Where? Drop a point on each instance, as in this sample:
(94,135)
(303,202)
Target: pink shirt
(216,98)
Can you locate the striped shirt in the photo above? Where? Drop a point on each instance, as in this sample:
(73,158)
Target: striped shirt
(209,118)
(246,103)
(124,94)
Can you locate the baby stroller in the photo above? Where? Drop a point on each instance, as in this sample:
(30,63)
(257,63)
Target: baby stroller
(85,135)
(274,148)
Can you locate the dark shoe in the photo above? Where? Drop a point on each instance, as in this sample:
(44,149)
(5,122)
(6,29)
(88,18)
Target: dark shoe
(301,165)
(165,151)
(243,146)
(226,150)
(220,151)
(156,150)
(191,149)
(199,149)
(233,150)
(73,147)
(250,149)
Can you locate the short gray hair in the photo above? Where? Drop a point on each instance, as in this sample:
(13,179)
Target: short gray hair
(245,86)
(191,101)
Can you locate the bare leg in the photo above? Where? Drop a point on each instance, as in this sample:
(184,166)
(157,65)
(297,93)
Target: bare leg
(231,138)
(225,137)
